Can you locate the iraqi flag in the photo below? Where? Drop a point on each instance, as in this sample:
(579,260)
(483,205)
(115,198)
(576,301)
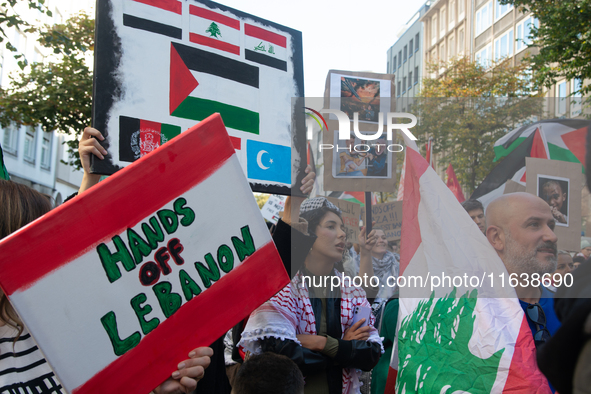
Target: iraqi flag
(214,30)
(511,167)
(203,83)
(119,284)
(265,47)
(156,16)
(454,337)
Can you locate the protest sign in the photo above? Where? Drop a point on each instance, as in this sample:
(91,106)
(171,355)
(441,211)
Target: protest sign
(272,207)
(203,58)
(559,183)
(359,164)
(388,217)
(119,284)
(350,212)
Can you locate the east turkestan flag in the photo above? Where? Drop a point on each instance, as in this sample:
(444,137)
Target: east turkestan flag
(458,337)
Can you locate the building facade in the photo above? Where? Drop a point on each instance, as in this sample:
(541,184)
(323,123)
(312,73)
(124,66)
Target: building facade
(405,60)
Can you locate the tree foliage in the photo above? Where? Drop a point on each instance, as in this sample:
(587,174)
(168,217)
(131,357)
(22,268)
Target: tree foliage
(10,18)
(56,94)
(563,38)
(468,108)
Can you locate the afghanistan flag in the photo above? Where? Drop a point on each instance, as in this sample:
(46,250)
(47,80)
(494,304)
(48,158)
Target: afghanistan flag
(454,337)
(139,137)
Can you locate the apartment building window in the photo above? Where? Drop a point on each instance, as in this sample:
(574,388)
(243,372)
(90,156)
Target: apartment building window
(504,45)
(46,151)
(434,30)
(410,51)
(416,75)
(398,90)
(561,99)
(452,48)
(576,103)
(501,10)
(403,84)
(461,9)
(452,14)
(523,32)
(399,59)
(417,42)
(405,53)
(461,42)
(484,56)
(30,144)
(10,141)
(443,23)
(483,18)
(409,80)
(442,53)
(394,64)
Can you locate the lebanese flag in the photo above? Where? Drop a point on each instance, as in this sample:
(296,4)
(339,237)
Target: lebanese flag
(453,184)
(455,338)
(429,154)
(400,195)
(214,30)
(119,284)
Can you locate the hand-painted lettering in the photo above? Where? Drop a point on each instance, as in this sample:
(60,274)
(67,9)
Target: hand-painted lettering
(175,248)
(244,247)
(225,258)
(109,260)
(181,209)
(139,247)
(162,258)
(169,302)
(149,273)
(120,346)
(142,311)
(153,234)
(189,286)
(208,274)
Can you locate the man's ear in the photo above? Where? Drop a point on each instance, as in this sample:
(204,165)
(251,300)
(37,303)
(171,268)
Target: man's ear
(496,237)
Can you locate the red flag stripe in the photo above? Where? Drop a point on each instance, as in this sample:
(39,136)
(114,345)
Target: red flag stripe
(214,16)
(213,43)
(518,371)
(265,35)
(411,231)
(168,5)
(146,125)
(128,375)
(120,209)
(236,142)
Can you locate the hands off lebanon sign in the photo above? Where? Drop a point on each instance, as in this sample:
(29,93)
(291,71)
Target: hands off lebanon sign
(118,285)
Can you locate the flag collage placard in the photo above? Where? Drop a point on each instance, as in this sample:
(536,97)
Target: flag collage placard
(127,297)
(181,61)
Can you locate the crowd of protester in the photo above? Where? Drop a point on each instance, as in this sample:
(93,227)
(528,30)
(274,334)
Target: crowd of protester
(306,339)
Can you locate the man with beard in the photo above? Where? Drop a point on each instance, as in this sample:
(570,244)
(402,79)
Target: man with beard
(521,230)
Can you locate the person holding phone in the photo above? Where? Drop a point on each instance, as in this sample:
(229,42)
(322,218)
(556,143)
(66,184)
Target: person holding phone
(311,321)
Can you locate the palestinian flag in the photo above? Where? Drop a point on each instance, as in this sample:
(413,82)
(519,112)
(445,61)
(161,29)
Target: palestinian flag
(265,47)
(214,30)
(3,170)
(203,83)
(156,16)
(547,139)
(358,197)
(139,137)
(564,139)
(460,338)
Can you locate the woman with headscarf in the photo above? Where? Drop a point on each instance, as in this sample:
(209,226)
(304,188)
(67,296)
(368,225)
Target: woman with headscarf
(312,322)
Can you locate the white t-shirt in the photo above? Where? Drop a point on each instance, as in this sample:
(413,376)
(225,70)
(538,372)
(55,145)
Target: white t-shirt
(23,369)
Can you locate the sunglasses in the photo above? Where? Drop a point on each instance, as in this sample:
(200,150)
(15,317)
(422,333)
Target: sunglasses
(535,313)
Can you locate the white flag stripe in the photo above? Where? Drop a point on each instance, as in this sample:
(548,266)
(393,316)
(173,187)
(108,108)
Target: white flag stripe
(76,292)
(201,25)
(151,13)
(216,88)
(252,43)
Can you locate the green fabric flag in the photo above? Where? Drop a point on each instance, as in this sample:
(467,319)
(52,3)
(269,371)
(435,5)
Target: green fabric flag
(3,170)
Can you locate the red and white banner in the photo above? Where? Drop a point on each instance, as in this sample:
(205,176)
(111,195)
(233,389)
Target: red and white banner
(119,284)
(454,336)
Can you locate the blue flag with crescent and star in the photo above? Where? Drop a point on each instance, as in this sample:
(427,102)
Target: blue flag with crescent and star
(268,162)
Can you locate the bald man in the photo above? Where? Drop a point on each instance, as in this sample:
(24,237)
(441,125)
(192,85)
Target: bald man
(521,230)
